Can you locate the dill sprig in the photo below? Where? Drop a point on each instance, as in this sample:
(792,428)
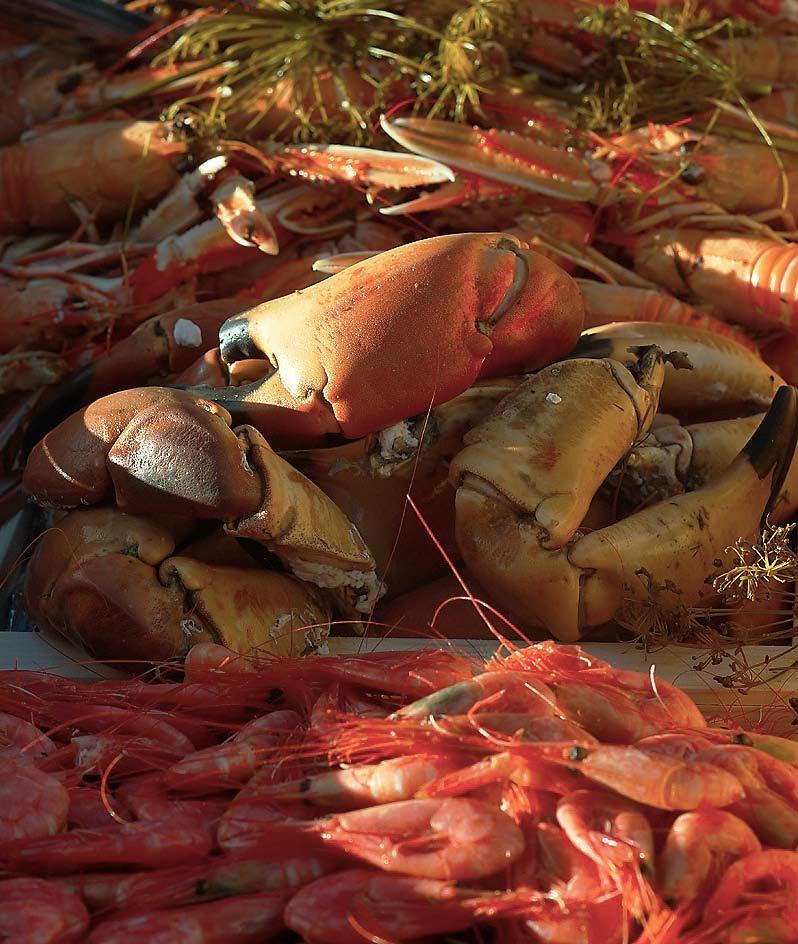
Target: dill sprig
(758,565)
(655,68)
(323,70)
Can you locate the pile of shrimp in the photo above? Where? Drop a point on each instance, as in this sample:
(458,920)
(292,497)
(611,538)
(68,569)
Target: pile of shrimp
(542,796)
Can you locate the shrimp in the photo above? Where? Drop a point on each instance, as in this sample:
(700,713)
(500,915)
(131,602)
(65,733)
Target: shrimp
(23,736)
(771,792)
(398,778)
(609,830)
(104,165)
(413,674)
(699,846)
(87,810)
(771,871)
(666,783)
(95,753)
(620,706)
(147,845)
(530,773)
(233,763)
(245,919)
(148,798)
(245,873)
(503,691)
(457,839)
(360,904)
(104,719)
(617,836)
(35,911)
(33,804)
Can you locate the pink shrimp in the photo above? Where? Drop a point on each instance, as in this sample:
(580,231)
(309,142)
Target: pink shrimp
(537,774)
(617,836)
(245,919)
(398,778)
(148,798)
(266,870)
(699,846)
(459,839)
(774,871)
(23,736)
(666,783)
(95,753)
(233,763)
(771,792)
(359,905)
(103,719)
(493,691)
(88,811)
(145,845)
(343,699)
(38,912)
(33,804)
(620,706)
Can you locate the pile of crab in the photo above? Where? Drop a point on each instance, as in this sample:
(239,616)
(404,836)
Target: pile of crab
(394,797)
(476,368)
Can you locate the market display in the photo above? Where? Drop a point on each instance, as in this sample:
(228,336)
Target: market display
(316,316)
(389,797)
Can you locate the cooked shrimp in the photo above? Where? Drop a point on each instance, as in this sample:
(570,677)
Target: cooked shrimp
(535,773)
(398,778)
(246,873)
(360,904)
(38,912)
(769,805)
(440,839)
(88,811)
(144,845)
(772,870)
(233,763)
(245,919)
(666,783)
(620,706)
(148,798)
(33,804)
(26,737)
(496,691)
(699,846)
(616,835)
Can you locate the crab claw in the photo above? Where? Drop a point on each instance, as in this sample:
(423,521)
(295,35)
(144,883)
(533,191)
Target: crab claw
(118,585)
(162,451)
(498,155)
(660,556)
(336,358)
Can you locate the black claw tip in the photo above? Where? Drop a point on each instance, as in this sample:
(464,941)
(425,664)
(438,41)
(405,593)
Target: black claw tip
(772,447)
(235,343)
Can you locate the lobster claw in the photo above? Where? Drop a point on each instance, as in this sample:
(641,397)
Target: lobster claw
(497,155)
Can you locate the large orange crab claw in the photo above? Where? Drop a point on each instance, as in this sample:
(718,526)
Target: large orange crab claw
(390,337)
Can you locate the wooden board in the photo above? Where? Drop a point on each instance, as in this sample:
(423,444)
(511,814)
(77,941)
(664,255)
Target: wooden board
(774,668)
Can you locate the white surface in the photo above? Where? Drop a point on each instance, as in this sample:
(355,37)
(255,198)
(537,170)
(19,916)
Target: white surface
(681,664)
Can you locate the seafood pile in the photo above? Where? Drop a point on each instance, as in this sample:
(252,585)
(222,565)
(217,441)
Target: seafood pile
(332,350)
(396,797)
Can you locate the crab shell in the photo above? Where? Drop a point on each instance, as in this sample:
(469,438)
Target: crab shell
(392,336)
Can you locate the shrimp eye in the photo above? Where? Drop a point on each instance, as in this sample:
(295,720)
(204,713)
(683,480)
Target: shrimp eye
(742,738)
(692,174)
(577,753)
(274,695)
